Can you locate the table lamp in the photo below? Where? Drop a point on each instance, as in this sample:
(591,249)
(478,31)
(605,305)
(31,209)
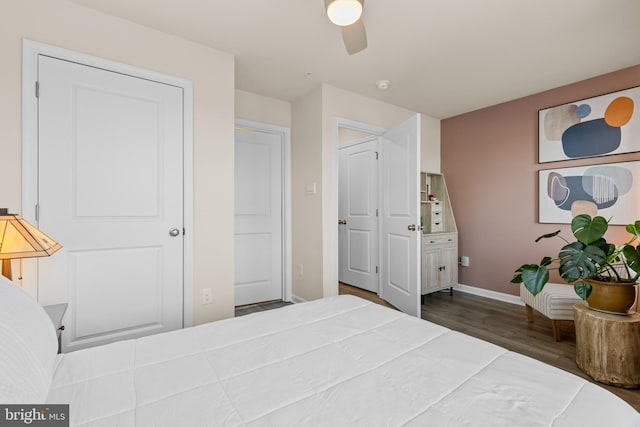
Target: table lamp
(19,239)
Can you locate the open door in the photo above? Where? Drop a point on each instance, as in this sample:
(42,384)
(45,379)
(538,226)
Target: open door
(400,228)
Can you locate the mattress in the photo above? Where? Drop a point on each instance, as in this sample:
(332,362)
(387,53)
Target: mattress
(339,361)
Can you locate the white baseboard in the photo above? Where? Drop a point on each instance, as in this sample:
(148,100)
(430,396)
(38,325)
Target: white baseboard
(296,299)
(500,296)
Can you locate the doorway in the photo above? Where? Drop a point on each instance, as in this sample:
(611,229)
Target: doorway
(398,220)
(262,212)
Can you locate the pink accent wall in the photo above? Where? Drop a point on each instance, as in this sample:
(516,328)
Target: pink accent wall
(490,162)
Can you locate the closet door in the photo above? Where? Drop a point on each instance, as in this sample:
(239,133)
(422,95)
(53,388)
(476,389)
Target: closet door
(110,180)
(258,216)
(358,215)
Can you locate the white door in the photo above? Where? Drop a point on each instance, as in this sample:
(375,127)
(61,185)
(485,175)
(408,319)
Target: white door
(258,216)
(400,216)
(358,221)
(110,185)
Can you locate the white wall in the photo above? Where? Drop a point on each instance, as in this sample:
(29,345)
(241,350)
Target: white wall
(306,169)
(65,24)
(262,109)
(429,144)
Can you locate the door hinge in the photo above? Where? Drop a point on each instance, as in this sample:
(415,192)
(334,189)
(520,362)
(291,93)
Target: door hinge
(376,155)
(376,269)
(184,231)
(37,212)
(37,89)
(376,212)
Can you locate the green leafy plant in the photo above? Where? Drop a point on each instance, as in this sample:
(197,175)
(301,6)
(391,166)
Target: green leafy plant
(590,256)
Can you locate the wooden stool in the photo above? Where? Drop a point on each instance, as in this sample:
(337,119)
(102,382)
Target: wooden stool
(608,346)
(554,301)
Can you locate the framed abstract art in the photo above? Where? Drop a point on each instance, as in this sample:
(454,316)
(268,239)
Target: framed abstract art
(600,126)
(610,190)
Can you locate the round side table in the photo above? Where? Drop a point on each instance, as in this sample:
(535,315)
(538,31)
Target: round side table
(608,346)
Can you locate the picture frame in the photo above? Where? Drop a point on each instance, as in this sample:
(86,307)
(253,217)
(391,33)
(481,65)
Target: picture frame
(599,126)
(608,190)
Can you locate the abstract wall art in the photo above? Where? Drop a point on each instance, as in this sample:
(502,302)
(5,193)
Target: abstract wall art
(606,124)
(608,190)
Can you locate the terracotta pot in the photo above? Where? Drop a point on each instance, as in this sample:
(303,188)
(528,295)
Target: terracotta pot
(611,297)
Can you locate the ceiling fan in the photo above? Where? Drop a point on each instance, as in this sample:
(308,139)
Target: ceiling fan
(347,14)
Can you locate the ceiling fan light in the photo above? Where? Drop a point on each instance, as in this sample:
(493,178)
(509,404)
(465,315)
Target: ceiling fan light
(344,12)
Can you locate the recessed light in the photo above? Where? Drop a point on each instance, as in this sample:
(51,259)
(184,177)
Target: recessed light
(383,84)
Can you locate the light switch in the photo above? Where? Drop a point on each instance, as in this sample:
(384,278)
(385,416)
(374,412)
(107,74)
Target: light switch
(310,188)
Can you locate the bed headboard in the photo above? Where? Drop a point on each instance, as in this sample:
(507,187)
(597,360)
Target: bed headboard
(28,347)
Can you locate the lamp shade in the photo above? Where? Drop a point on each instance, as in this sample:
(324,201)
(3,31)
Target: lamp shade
(344,12)
(19,239)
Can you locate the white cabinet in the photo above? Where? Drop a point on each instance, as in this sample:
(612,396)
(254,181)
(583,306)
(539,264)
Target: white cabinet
(440,235)
(439,261)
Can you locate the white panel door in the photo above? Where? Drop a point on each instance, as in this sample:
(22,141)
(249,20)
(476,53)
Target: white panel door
(110,186)
(400,216)
(258,216)
(358,225)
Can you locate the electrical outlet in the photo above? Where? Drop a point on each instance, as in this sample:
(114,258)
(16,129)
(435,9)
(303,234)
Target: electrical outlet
(300,270)
(206,296)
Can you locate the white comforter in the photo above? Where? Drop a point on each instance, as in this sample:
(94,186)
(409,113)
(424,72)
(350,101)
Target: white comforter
(337,362)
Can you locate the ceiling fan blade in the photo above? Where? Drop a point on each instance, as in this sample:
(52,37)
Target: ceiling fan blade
(354,36)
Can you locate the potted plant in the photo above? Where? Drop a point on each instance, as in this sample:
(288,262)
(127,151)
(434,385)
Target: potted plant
(603,274)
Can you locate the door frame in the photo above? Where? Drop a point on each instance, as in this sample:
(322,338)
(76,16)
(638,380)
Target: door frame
(30,52)
(285,137)
(374,131)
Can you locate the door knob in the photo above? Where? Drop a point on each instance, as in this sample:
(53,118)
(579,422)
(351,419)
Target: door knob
(174,232)
(342,221)
(412,227)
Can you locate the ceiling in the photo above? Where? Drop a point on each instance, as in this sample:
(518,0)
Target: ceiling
(443,58)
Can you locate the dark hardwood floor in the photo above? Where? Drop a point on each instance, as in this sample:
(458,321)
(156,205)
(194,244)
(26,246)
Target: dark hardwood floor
(506,325)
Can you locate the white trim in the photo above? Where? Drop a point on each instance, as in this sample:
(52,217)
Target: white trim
(30,52)
(297,300)
(285,136)
(357,142)
(499,296)
(338,123)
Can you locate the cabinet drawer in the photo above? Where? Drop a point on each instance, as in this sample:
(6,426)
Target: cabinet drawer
(434,239)
(436,226)
(435,206)
(436,214)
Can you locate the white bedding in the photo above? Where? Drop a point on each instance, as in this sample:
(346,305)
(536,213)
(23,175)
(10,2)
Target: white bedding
(339,361)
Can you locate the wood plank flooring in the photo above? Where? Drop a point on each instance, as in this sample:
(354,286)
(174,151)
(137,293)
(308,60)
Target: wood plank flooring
(505,325)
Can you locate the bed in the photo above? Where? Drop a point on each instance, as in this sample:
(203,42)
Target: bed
(339,361)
